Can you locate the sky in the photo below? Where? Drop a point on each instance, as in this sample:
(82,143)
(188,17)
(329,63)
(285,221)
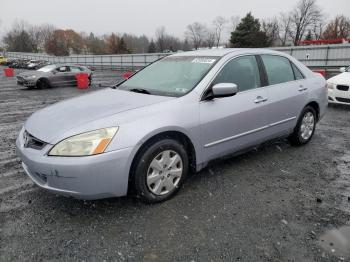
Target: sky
(144,16)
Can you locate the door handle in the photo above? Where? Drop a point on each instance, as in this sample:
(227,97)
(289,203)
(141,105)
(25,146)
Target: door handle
(260,99)
(302,88)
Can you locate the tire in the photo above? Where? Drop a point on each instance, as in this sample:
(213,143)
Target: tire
(154,178)
(42,83)
(305,128)
(90,80)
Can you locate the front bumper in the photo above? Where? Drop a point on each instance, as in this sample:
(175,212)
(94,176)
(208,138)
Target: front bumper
(336,96)
(26,82)
(90,177)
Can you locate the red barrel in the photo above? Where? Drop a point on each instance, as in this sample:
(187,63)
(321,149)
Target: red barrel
(9,72)
(127,75)
(82,80)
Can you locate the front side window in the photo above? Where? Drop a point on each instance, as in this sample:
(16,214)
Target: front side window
(171,76)
(242,71)
(278,69)
(63,69)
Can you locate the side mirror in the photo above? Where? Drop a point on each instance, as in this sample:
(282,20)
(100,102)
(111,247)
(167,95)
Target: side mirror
(224,90)
(342,69)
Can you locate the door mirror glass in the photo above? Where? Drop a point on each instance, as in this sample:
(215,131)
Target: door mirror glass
(224,90)
(342,69)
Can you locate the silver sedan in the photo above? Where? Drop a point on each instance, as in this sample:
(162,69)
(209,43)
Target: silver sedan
(52,76)
(171,118)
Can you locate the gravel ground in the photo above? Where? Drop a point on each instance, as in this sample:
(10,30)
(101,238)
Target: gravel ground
(271,204)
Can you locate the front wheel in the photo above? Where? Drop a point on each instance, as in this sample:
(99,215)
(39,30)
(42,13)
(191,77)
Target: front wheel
(305,127)
(160,171)
(42,84)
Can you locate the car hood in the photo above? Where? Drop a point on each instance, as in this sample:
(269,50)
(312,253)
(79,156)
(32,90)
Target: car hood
(52,122)
(33,73)
(341,79)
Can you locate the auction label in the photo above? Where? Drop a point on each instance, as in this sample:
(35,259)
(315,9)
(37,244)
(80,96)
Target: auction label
(203,60)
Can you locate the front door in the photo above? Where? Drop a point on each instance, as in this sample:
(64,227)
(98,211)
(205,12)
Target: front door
(233,123)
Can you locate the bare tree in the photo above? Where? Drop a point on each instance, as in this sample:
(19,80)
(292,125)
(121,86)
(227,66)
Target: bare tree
(235,20)
(339,27)
(271,28)
(196,32)
(284,24)
(219,24)
(210,39)
(161,36)
(305,15)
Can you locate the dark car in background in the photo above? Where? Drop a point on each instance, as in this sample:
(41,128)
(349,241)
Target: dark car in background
(19,63)
(55,75)
(37,64)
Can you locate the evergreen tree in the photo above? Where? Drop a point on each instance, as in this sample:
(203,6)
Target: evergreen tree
(152,48)
(248,33)
(123,49)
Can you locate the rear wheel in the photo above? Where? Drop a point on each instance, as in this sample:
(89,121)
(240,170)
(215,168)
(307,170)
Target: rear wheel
(42,83)
(160,171)
(305,127)
(90,80)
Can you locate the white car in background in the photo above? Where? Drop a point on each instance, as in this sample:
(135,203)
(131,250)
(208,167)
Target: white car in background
(339,87)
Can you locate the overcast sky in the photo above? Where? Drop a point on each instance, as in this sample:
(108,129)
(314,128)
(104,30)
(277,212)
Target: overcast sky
(144,16)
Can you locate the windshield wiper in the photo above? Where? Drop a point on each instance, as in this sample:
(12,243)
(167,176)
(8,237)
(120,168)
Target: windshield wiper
(140,90)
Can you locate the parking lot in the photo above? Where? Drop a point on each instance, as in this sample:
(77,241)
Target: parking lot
(274,203)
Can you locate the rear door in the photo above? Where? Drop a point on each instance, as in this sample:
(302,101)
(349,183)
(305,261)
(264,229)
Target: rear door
(74,70)
(232,123)
(287,93)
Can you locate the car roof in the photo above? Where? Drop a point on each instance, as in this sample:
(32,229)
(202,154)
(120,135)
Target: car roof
(220,52)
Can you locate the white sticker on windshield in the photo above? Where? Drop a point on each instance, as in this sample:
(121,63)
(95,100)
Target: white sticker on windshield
(203,60)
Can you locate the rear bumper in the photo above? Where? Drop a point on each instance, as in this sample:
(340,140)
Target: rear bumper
(90,177)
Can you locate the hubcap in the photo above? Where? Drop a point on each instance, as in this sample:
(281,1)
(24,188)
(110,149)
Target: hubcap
(164,172)
(307,125)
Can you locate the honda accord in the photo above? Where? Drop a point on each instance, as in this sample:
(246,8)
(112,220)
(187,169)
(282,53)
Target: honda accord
(171,118)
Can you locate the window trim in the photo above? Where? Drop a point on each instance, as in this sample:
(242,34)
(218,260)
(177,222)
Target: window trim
(210,85)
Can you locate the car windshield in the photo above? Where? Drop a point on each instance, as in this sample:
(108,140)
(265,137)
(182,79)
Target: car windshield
(47,68)
(171,76)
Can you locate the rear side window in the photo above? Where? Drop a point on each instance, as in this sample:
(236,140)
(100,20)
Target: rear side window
(242,71)
(278,69)
(297,73)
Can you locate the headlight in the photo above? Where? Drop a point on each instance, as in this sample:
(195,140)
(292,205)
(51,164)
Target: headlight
(330,86)
(86,144)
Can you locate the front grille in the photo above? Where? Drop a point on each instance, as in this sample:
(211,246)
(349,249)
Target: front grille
(343,88)
(19,78)
(344,100)
(32,142)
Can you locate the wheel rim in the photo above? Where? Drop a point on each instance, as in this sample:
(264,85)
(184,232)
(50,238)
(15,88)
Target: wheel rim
(164,172)
(307,125)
